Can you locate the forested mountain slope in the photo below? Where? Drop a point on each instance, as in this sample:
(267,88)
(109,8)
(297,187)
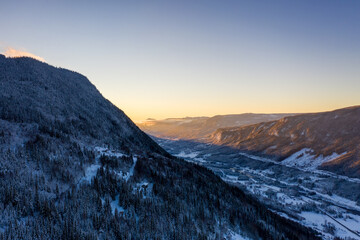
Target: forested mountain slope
(61,100)
(73,166)
(328,140)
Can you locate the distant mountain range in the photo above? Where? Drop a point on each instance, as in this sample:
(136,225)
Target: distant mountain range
(74,166)
(327,140)
(200,128)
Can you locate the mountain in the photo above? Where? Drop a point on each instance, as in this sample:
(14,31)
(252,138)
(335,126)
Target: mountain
(327,140)
(200,128)
(59,100)
(73,166)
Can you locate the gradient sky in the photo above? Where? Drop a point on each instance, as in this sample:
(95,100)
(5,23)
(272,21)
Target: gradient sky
(163,59)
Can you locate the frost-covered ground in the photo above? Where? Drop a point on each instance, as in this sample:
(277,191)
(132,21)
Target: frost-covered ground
(295,189)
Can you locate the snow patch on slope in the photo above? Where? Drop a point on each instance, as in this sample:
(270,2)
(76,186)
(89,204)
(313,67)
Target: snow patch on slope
(90,172)
(305,159)
(131,171)
(107,152)
(235,236)
(182,154)
(115,205)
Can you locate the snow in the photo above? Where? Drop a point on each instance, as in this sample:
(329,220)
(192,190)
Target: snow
(317,220)
(315,171)
(108,152)
(200,160)
(306,160)
(287,192)
(236,236)
(340,201)
(230,177)
(272,147)
(311,219)
(115,205)
(182,154)
(90,172)
(288,200)
(92,169)
(193,157)
(351,221)
(131,171)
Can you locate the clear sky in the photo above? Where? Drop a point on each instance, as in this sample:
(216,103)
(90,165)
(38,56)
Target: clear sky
(163,59)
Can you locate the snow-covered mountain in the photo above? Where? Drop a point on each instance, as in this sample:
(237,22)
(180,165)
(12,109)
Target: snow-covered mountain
(328,140)
(73,166)
(62,101)
(200,128)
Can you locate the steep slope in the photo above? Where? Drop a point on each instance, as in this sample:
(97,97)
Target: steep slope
(73,166)
(199,128)
(328,140)
(65,101)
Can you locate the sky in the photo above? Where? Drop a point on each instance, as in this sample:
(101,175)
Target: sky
(159,59)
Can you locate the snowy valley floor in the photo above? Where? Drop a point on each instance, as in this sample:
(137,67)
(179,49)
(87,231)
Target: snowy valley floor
(321,200)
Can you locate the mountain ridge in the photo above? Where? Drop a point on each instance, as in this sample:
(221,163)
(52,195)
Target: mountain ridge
(324,133)
(62,90)
(200,128)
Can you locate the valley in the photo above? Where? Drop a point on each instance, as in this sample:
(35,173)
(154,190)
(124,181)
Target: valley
(180,120)
(74,166)
(324,201)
